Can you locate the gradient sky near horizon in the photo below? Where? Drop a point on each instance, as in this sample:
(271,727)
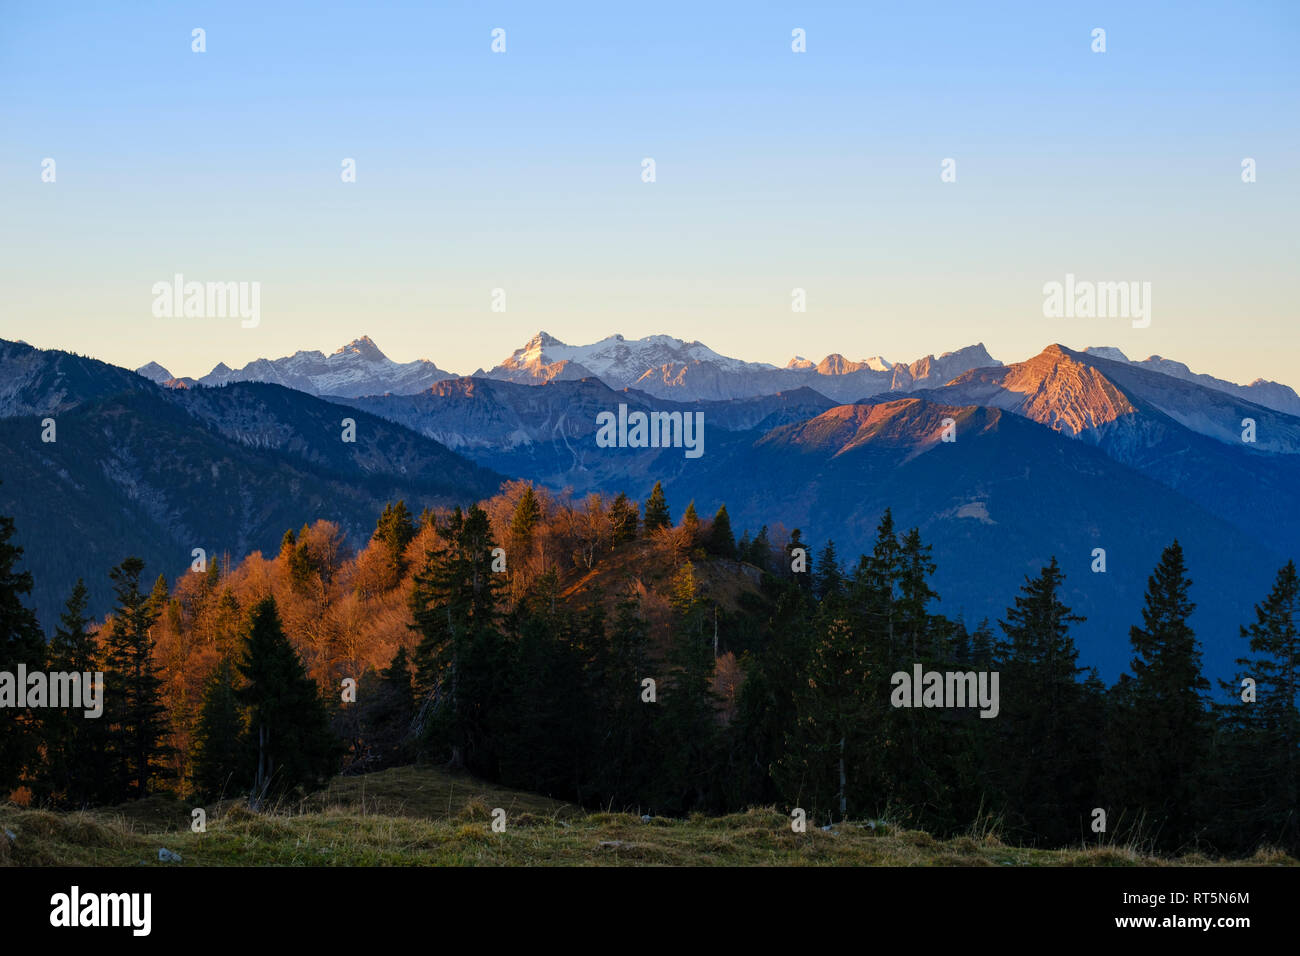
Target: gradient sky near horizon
(775,170)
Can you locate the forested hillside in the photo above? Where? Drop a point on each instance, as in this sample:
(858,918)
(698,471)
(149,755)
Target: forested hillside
(637,656)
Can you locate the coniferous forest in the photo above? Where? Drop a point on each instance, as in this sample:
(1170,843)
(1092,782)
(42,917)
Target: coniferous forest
(607,652)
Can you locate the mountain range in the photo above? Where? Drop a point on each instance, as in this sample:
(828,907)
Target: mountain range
(358,368)
(662,366)
(1060,454)
(136,469)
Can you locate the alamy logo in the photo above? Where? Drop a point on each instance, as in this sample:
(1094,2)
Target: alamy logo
(651,430)
(102,909)
(1085,299)
(56,689)
(946,689)
(208,300)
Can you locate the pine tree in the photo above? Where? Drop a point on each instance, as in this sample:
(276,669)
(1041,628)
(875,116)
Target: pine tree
(75,768)
(134,688)
(832,729)
(627,749)
(655,513)
(722,541)
(21,642)
(288,724)
(527,516)
(797,556)
(691,523)
(394,531)
(690,706)
(159,597)
(828,583)
(1047,761)
(1166,754)
(873,596)
(387,718)
(454,604)
(221,755)
(546,735)
(915,594)
(1262,785)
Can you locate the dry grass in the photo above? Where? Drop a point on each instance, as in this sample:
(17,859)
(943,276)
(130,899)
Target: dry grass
(425,817)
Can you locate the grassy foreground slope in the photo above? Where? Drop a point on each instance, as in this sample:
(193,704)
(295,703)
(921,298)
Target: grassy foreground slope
(421,817)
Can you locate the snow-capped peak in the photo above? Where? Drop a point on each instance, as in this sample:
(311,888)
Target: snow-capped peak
(363,347)
(155,373)
(1106,352)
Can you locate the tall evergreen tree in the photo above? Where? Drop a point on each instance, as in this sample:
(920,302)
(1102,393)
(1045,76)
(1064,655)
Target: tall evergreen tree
(288,724)
(458,659)
(833,729)
(221,753)
(876,591)
(915,622)
(526,518)
(691,522)
(394,531)
(627,751)
(655,514)
(134,687)
(722,541)
(1166,751)
(690,703)
(828,582)
(21,642)
(1261,784)
(75,768)
(1047,761)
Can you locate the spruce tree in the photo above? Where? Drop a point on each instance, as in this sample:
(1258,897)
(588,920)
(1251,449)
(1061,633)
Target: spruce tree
(626,752)
(876,590)
(828,582)
(690,704)
(655,513)
(527,516)
(1046,762)
(134,688)
(387,716)
(833,729)
(221,754)
(1261,786)
(21,642)
(1166,752)
(915,622)
(722,541)
(454,604)
(288,724)
(394,531)
(691,523)
(76,767)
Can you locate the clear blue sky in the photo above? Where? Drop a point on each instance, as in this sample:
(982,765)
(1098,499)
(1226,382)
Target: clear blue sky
(775,170)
